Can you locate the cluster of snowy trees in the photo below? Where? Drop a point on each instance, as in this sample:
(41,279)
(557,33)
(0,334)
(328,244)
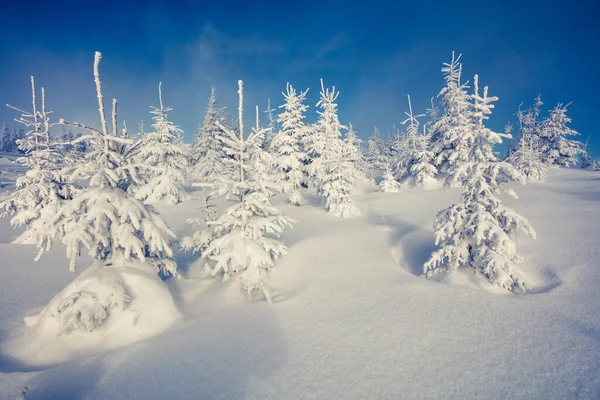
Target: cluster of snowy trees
(9,138)
(539,142)
(93,191)
(295,153)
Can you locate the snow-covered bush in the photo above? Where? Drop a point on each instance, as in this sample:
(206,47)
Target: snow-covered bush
(389,184)
(478,231)
(165,160)
(243,239)
(287,145)
(106,307)
(44,187)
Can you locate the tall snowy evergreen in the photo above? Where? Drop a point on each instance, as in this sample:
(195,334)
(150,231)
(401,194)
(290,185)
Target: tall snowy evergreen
(272,126)
(400,150)
(165,158)
(448,131)
(111,224)
(263,164)
(287,145)
(419,159)
(44,188)
(375,153)
(334,168)
(207,150)
(354,148)
(478,231)
(243,239)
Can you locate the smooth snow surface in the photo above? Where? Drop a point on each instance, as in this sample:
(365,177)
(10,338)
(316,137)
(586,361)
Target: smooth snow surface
(352,318)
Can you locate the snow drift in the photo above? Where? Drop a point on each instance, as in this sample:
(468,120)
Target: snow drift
(104,308)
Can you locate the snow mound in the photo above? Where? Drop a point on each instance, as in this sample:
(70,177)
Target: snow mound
(104,308)
(344,210)
(430,183)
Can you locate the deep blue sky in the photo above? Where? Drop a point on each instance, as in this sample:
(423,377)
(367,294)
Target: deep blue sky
(374,53)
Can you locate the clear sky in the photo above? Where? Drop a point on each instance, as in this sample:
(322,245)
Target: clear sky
(374,52)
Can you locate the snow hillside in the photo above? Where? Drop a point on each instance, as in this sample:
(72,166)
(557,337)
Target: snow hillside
(351,317)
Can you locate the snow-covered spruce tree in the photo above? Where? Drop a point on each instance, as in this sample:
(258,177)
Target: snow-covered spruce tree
(272,127)
(111,224)
(287,146)
(263,165)
(527,158)
(243,239)
(374,153)
(399,154)
(334,169)
(477,231)
(165,158)
(448,130)
(419,159)
(352,138)
(558,150)
(354,147)
(389,184)
(43,188)
(587,162)
(207,151)
(4,137)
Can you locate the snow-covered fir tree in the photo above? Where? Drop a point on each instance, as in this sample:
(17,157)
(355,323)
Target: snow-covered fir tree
(587,161)
(263,164)
(558,150)
(530,127)
(334,168)
(272,126)
(243,239)
(527,158)
(207,150)
(111,224)
(419,158)
(165,158)
(44,188)
(448,131)
(375,153)
(354,147)
(478,231)
(389,184)
(398,151)
(352,138)
(287,145)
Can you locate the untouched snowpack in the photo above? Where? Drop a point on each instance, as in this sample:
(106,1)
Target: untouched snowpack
(351,316)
